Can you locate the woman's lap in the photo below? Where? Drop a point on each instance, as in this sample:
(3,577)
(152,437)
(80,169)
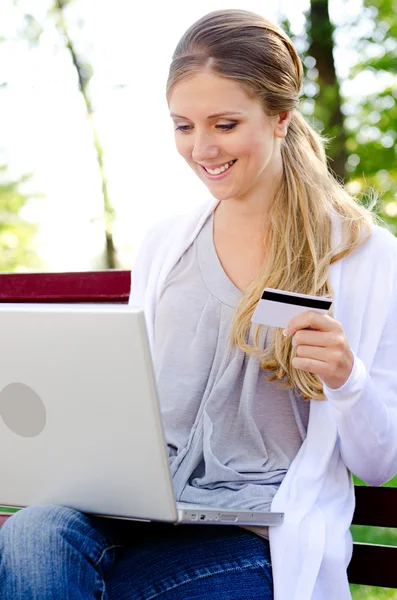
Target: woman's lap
(116,560)
(192,562)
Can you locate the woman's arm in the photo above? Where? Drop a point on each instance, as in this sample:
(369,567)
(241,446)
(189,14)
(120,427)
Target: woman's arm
(365,409)
(365,403)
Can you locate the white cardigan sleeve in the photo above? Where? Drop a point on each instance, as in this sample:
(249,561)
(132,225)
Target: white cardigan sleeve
(365,409)
(147,257)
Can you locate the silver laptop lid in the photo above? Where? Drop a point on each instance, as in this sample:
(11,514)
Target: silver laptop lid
(79,421)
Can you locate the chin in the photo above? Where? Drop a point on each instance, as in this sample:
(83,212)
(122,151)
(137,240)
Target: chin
(218,195)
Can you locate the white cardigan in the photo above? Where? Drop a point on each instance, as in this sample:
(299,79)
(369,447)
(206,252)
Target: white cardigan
(354,430)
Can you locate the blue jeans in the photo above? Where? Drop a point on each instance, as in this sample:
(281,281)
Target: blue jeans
(52,552)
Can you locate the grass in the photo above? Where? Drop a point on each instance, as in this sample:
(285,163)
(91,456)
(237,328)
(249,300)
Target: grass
(362,592)
(5,510)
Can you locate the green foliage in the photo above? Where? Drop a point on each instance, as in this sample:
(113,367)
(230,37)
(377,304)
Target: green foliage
(374,535)
(17,235)
(379,49)
(361,592)
(368,132)
(372,129)
(372,133)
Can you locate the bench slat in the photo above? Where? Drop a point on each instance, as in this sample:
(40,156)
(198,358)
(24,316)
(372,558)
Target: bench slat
(373,565)
(375,506)
(93,286)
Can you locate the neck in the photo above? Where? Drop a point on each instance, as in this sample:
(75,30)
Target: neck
(236,217)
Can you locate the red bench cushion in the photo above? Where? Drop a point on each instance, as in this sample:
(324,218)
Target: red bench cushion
(2,519)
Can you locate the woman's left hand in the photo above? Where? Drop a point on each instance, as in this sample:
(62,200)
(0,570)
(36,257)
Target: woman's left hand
(321,347)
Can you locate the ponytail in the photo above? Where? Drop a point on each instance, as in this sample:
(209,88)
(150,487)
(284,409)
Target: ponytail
(298,248)
(301,139)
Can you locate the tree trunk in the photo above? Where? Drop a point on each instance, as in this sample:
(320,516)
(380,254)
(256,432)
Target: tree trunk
(84,73)
(328,101)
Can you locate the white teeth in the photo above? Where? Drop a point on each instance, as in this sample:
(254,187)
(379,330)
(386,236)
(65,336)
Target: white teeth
(220,169)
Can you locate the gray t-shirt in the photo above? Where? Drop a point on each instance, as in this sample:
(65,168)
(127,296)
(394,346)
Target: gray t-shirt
(231,434)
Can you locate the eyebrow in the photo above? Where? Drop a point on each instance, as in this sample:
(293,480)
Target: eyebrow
(221,114)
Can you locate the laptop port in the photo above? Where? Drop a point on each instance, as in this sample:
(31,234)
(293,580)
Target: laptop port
(230,518)
(193,516)
(202,517)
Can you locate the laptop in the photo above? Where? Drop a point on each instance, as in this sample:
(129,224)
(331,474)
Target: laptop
(80,421)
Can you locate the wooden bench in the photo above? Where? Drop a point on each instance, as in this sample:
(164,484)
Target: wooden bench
(371,564)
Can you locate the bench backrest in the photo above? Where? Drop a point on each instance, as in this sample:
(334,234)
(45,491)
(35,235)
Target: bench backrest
(98,286)
(370,565)
(373,564)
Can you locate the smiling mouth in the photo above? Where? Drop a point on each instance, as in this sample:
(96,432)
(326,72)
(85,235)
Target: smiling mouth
(219,170)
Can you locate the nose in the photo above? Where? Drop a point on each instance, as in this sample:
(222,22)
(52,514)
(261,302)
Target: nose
(204,147)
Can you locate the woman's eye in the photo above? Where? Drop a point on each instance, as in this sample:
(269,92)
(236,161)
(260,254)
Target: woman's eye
(227,127)
(221,127)
(183,128)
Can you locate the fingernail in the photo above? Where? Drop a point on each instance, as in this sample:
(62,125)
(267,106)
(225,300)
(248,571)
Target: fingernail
(286,332)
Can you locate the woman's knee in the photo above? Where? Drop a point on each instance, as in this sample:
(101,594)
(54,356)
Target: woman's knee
(53,548)
(36,527)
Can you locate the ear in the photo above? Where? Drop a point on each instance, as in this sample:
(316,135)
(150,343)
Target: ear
(282,122)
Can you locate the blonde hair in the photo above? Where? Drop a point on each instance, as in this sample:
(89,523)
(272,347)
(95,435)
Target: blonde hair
(247,48)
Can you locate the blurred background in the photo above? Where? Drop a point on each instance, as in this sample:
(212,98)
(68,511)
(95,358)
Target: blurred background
(87,158)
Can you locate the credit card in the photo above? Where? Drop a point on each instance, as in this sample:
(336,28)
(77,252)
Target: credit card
(276,308)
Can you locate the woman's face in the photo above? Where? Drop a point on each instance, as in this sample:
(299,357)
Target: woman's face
(226,137)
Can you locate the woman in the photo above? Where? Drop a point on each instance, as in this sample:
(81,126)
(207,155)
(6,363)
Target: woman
(254,417)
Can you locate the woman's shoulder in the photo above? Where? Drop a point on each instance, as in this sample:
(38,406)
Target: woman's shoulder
(161,229)
(382,240)
(376,255)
